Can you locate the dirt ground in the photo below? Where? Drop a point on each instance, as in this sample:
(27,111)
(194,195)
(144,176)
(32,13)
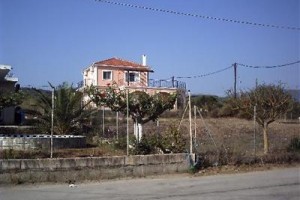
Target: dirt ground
(231,169)
(212,136)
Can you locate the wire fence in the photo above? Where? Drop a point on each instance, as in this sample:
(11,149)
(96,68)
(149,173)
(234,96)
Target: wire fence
(212,134)
(216,138)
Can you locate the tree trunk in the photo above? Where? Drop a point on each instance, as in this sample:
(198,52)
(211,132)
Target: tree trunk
(138,131)
(266,138)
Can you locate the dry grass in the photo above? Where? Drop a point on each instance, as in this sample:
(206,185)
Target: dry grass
(234,139)
(231,141)
(237,135)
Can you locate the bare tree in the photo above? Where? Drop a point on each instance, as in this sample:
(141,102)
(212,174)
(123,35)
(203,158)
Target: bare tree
(271,102)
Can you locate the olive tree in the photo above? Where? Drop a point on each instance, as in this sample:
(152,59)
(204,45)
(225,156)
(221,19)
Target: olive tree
(271,102)
(8,99)
(143,107)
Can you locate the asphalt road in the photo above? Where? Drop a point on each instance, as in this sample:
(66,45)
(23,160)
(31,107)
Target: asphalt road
(275,184)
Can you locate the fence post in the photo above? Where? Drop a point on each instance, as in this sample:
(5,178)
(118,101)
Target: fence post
(195,121)
(254,139)
(190,122)
(117,124)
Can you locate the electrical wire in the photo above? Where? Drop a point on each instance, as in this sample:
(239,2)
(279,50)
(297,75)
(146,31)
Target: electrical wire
(199,16)
(240,64)
(203,75)
(268,67)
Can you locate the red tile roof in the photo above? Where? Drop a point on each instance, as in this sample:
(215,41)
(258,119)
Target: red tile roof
(123,64)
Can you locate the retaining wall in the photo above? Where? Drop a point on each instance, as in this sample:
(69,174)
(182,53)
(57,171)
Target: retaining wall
(15,171)
(41,142)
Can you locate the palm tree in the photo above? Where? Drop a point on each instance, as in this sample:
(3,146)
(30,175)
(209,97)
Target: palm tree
(69,113)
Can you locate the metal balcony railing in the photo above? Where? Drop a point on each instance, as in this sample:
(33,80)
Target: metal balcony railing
(170,83)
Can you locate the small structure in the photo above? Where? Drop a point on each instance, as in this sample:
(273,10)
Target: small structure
(7,82)
(8,115)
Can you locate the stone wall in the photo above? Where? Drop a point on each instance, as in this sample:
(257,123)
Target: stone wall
(92,168)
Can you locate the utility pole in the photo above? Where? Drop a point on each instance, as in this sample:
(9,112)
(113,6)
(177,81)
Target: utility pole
(127,114)
(254,139)
(127,121)
(256,83)
(190,120)
(117,124)
(234,88)
(195,122)
(103,121)
(52,122)
(195,127)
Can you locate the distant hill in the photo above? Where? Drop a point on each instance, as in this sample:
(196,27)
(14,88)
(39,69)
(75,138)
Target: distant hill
(294,93)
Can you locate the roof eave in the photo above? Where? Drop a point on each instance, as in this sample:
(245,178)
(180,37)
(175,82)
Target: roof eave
(127,68)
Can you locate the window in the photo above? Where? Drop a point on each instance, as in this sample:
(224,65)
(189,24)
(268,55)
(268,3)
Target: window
(133,77)
(107,75)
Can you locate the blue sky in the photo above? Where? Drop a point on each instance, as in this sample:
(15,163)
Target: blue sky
(54,40)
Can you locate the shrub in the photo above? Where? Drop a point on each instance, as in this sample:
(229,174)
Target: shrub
(227,111)
(294,145)
(147,145)
(172,140)
(20,154)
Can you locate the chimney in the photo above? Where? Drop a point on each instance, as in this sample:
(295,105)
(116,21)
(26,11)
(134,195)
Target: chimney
(144,60)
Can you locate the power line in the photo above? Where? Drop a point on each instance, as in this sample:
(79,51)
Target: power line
(203,75)
(240,64)
(268,67)
(199,16)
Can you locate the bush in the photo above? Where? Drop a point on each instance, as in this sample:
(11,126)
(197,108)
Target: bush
(225,111)
(281,158)
(294,145)
(147,145)
(121,143)
(172,140)
(19,154)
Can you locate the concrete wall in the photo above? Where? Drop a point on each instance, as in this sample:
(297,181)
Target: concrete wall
(92,168)
(40,142)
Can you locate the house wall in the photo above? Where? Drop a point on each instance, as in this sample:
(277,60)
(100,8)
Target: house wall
(90,76)
(152,91)
(7,86)
(7,83)
(118,76)
(94,75)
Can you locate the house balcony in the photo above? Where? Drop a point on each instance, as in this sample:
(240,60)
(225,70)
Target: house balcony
(154,86)
(7,81)
(171,85)
(4,70)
